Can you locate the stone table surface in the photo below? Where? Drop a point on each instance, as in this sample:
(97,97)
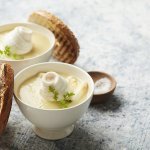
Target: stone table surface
(114,36)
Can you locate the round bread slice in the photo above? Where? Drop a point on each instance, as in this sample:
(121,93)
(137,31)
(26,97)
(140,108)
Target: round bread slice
(6,93)
(66,48)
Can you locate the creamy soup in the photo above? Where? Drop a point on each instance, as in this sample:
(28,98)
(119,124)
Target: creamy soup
(53,90)
(40,44)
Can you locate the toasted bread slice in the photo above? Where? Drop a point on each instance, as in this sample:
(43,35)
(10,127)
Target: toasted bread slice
(6,93)
(66,48)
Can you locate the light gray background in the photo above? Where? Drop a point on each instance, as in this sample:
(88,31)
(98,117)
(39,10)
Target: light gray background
(114,36)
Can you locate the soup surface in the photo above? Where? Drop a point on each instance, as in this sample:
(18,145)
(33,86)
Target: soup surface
(40,43)
(30,92)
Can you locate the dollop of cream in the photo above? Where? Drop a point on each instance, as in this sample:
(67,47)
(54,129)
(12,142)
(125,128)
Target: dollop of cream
(54,80)
(19,40)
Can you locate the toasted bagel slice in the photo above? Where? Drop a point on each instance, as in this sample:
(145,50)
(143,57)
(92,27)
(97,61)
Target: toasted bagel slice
(6,93)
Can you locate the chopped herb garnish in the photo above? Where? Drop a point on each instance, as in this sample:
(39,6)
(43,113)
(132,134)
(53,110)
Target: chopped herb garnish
(6,52)
(16,56)
(63,104)
(66,97)
(1,52)
(55,93)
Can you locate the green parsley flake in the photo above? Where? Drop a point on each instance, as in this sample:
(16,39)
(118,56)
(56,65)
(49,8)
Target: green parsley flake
(55,93)
(66,97)
(6,52)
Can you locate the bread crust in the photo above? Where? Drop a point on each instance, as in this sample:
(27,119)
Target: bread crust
(66,47)
(6,93)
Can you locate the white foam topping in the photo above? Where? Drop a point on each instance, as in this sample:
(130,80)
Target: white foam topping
(19,40)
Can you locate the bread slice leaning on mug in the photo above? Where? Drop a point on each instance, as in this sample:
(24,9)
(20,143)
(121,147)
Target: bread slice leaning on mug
(6,93)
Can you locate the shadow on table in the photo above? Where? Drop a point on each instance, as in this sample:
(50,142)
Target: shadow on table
(113,104)
(22,137)
(6,138)
(81,139)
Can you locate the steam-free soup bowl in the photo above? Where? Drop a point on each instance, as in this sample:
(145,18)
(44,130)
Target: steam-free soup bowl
(53,123)
(45,56)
